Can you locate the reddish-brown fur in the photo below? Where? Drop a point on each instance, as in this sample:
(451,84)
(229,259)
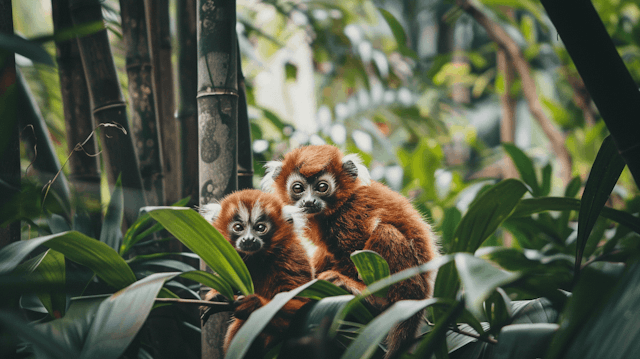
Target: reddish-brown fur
(361,217)
(281,265)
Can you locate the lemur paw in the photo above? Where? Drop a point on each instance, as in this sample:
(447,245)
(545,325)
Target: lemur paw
(244,306)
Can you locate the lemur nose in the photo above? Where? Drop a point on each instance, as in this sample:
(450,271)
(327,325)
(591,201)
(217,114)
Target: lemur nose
(309,203)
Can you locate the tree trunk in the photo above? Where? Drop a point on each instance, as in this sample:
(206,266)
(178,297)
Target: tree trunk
(245,150)
(217,122)
(187,92)
(603,72)
(157,12)
(109,108)
(45,162)
(9,131)
(84,170)
(144,121)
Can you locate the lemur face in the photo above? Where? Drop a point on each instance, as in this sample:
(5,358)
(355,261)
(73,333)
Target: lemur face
(250,229)
(311,194)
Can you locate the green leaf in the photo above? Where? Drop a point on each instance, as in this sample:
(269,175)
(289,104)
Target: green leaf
(204,240)
(452,217)
(120,317)
(539,310)
(573,187)
(111,232)
(371,266)
(398,33)
(44,344)
(525,167)
(479,279)
(545,186)
(52,270)
(259,320)
(497,310)
(525,341)
(604,174)
(529,206)
(95,255)
(26,48)
(367,342)
(486,214)
(211,280)
(436,336)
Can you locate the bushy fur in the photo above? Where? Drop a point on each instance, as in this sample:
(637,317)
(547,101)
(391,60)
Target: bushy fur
(281,264)
(360,214)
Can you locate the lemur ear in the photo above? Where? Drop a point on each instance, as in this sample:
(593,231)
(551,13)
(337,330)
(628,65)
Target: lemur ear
(273,169)
(210,211)
(353,167)
(294,214)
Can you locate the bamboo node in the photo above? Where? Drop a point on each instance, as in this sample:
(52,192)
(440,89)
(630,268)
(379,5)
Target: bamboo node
(217,91)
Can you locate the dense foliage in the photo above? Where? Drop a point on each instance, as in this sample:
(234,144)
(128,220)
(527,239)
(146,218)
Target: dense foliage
(538,260)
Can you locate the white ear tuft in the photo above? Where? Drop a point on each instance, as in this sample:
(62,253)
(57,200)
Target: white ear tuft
(210,211)
(363,172)
(273,170)
(295,215)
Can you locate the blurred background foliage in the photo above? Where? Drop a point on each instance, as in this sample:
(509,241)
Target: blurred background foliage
(414,87)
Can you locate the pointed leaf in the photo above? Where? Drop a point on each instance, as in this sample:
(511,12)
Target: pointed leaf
(497,309)
(120,317)
(95,255)
(486,214)
(367,342)
(29,49)
(525,167)
(545,186)
(526,341)
(398,33)
(200,236)
(605,171)
(111,232)
(210,280)
(371,267)
(479,279)
(51,270)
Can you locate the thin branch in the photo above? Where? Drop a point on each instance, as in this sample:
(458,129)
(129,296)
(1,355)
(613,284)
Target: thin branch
(214,306)
(500,37)
(474,335)
(600,258)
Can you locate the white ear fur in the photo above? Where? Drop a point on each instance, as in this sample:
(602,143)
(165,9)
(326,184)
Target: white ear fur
(210,211)
(273,169)
(363,172)
(294,214)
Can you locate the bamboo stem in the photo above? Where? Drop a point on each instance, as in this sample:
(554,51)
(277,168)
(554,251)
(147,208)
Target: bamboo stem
(144,121)
(9,132)
(245,150)
(109,108)
(84,170)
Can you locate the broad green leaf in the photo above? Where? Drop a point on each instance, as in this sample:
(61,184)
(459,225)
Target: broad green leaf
(200,236)
(371,266)
(367,342)
(111,232)
(525,167)
(452,217)
(52,270)
(592,291)
(432,341)
(165,263)
(486,213)
(545,186)
(447,282)
(539,310)
(479,279)
(120,317)
(95,255)
(58,224)
(211,280)
(612,330)
(525,341)
(259,320)
(604,174)
(529,206)
(26,48)
(497,309)
(45,345)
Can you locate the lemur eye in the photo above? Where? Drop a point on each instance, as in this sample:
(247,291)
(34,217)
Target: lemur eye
(322,187)
(260,228)
(237,228)
(297,188)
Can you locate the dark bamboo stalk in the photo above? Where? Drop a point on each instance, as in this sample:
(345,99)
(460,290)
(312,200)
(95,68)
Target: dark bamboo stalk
(9,132)
(45,162)
(187,112)
(84,170)
(245,151)
(159,36)
(109,107)
(217,123)
(603,72)
(144,121)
